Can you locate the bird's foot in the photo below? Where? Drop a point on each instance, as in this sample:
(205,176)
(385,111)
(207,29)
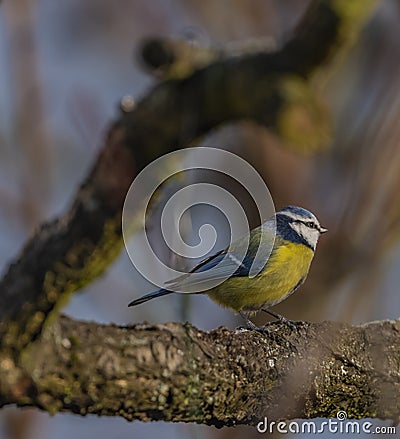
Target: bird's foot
(260,329)
(251,326)
(264,330)
(292,324)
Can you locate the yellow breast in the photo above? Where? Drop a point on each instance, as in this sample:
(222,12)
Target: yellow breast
(286,268)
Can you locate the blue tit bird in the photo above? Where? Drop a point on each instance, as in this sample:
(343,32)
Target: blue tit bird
(294,231)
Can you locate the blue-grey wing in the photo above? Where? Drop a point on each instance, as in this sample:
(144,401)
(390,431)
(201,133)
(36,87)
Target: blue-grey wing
(242,258)
(214,268)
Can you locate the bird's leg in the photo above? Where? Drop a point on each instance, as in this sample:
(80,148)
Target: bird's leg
(250,325)
(281,318)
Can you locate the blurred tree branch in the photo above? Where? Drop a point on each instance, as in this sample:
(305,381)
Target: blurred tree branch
(168,58)
(271,88)
(177,373)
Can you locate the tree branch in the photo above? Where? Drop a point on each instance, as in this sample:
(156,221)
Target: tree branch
(177,373)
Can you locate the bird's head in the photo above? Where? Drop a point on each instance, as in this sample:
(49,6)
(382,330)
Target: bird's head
(299,225)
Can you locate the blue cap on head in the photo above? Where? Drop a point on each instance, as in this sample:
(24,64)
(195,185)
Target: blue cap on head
(295,211)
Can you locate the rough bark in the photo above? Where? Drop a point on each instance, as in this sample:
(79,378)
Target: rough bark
(176,372)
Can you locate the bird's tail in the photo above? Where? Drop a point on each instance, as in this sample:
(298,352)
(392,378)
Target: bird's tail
(153,295)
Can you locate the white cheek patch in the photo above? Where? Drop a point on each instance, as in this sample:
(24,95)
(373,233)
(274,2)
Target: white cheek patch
(309,235)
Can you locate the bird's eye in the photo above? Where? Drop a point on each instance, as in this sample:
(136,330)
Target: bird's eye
(311,225)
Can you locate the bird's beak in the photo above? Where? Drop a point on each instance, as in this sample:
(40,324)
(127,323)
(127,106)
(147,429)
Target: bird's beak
(322,230)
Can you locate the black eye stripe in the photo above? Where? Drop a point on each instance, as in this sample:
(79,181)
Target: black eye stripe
(291,220)
(306,223)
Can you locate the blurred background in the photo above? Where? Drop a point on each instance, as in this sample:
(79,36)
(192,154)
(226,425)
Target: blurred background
(66,65)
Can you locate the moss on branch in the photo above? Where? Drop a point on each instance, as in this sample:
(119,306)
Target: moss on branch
(178,373)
